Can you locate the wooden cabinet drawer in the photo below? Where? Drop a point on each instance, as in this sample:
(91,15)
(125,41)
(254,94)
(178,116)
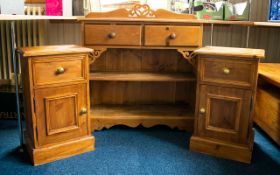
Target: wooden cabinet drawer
(173,36)
(60,69)
(128,35)
(233,72)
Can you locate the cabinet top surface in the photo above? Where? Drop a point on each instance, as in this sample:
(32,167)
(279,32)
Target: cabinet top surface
(53,50)
(231,51)
(270,72)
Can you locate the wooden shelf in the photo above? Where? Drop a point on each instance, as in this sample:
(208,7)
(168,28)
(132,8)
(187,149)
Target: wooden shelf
(223,22)
(267,24)
(141,76)
(35,17)
(82,18)
(146,115)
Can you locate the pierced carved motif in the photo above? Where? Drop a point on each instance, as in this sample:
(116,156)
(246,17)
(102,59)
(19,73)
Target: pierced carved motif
(96,54)
(141,10)
(189,55)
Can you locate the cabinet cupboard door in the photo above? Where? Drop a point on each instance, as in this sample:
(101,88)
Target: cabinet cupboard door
(224,113)
(61,113)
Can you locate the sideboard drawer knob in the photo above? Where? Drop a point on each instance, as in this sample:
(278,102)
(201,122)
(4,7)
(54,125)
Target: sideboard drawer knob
(172,36)
(60,70)
(202,110)
(226,70)
(83,111)
(112,35)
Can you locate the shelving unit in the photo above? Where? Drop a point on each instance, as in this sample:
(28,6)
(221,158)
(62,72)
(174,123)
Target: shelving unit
(147,87)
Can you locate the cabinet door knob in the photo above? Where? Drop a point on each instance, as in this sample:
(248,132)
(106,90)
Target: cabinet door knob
(202,110)
(226,70)
(172,36)
(83,111)
(112,35)
(60,70)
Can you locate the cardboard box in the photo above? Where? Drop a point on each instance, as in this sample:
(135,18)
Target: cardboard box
(210,10)
(237,12)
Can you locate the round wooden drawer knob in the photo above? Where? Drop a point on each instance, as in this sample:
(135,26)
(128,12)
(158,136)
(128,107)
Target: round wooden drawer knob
(172,36)
(112,35)
(226,71)
(83,111)
(60,70)
(202,110)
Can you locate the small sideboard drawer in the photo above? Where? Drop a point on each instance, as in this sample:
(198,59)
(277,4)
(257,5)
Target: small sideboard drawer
(127,35)
(60,69)
(173,35)
(234,72)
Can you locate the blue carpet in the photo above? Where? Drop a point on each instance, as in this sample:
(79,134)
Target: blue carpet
(125,151)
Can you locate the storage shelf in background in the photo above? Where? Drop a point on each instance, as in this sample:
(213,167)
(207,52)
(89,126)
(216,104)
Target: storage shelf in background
(147,115)
(36,17)
(82,18)
(223,22)
(141,76)
(267,24)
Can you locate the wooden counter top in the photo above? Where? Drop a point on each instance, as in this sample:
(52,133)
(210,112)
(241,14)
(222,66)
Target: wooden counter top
(52,50)
(231,51)
(270,72)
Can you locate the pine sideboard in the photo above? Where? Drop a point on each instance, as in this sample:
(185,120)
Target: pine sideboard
(141,72)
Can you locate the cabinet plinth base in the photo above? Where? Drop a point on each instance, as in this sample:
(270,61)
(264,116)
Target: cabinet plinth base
(222,149)
(59,151)
(181,124)
(173,116)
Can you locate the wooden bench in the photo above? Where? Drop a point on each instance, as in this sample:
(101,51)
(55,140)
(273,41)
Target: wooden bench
(267,107)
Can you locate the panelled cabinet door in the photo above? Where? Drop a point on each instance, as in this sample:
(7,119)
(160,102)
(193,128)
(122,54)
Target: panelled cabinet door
(223,113)
(61,113)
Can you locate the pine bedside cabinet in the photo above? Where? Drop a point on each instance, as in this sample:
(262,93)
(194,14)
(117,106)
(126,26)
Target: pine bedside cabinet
(226,88)
(56,102)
